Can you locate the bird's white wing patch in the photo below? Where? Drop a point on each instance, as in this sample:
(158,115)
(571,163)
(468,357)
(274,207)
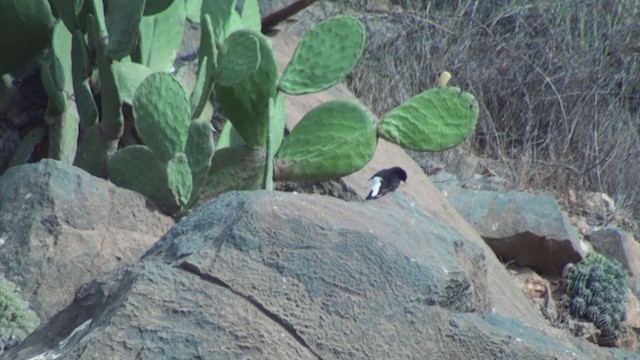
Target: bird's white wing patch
(375,187)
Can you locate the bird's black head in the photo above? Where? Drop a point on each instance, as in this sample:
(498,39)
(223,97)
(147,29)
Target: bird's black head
(400,173)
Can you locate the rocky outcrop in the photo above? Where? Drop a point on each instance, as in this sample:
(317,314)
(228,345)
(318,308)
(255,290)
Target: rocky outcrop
(620,246)
(61,227)
(274,275)
(529,229)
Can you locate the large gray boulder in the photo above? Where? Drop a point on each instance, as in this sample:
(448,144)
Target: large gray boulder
(528,229)
(269,275)
(60,227)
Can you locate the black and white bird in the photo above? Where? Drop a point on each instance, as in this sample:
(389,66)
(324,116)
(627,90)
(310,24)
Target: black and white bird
(385,181)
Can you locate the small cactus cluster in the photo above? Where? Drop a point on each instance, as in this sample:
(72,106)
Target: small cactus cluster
(16,319)
(596,288)
(122,53)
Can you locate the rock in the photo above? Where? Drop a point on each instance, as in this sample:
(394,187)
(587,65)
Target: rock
(274,275)
(60,227)
(621,246)
(528,229)
(633,312)
(419,192)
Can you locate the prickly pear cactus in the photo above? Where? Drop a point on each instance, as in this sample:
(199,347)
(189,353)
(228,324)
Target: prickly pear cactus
(25,29)
(177,151)
(333,140)
(161,115)
(160,37)
(246,103)
(434,120)
(123,29)
(239,59)
(597,290)
(137,168)
(324,56)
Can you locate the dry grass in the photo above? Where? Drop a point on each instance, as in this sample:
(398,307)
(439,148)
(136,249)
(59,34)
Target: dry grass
(558,82)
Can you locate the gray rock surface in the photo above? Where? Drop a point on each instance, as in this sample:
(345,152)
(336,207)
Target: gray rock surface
(620,246)
(60,227)
(269,275)
(529,229)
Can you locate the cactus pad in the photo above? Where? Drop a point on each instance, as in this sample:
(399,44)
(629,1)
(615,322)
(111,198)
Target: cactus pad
(25,29)
(324,56)
(229,137)
(239,59)
(207,64)
(434,120)
(221,13)
(235,168)
(334,139)
(129,76)
(161,36)
(179,178)
(161,115)
(92,151)
(137,168)
(27,145)
(246,104)
(199,151)
(152,7)
(81,71)
(123,19)
(251,15)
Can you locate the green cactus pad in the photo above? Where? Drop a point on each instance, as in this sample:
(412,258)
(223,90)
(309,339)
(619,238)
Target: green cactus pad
(199,151)
(207,64)
(93,151)
(235,168)
(229,137)
(239,59)
(251,15)
(161,115)
(152,7)
(434,120)
(220,13)
(278,122)
(25,29)
(53,81)
(68,11)
(333,140)
(179,178)
(123,19)
(276,134)
(161,36)
(129,76)
(112,120)
(27,145)
(193,10)
(63,136)
(81,72)
(324,56)
(246,104)
(137,168)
